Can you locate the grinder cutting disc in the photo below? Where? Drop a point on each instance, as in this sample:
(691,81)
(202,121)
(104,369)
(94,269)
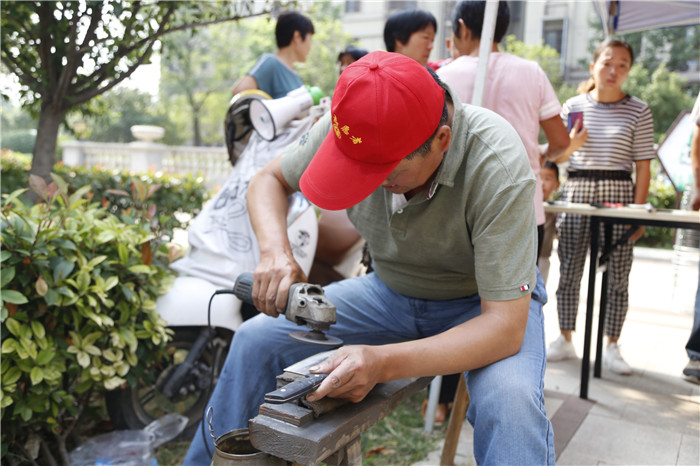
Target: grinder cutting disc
(316,337)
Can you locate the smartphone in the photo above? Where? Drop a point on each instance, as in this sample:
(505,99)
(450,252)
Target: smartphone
(573,118)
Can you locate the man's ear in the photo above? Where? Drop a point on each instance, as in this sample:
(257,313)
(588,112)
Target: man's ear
(444,137)
(465,33)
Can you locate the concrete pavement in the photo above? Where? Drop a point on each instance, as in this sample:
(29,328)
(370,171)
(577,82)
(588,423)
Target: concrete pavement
(651,417)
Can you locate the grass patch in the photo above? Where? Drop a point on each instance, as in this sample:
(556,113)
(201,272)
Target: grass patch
(398,439)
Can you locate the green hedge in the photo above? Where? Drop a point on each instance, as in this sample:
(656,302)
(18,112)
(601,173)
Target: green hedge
(19,140)
(178,194)
(662,196)
(79,287)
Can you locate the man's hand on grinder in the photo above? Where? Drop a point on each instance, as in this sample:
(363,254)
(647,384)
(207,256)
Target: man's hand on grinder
(353,372)
(274,275)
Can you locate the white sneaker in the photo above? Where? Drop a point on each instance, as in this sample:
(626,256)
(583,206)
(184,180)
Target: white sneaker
(561,349)
(612,360)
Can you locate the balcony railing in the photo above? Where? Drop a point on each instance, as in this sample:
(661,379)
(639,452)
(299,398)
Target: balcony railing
(212,163)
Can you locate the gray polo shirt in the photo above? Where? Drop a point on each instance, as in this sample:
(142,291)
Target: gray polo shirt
(476,234)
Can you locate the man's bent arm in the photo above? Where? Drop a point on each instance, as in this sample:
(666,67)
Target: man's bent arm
(494,335)
(695,164)
(246,82)
(557,137)
(278,270)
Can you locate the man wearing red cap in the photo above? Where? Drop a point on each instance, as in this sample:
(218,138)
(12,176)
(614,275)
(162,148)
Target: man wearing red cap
(442,192)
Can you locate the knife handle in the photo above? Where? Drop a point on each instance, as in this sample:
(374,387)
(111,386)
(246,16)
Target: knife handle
(296,389)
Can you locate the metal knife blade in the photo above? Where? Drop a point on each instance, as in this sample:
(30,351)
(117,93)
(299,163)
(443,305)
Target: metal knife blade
(295,390)
(302,367)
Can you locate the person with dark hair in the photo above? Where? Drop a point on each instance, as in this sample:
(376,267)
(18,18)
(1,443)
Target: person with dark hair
(614,139)
(350,54)
(519,91)
(411,33)
(442,193)
(274,73)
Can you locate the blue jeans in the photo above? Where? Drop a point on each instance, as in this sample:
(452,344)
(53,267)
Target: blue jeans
(693,345)
(507,403)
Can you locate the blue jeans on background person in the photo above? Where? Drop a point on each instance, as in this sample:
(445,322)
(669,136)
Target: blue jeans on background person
(506,399)
(693,345)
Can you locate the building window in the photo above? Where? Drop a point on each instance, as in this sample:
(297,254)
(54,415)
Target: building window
(401,5)
(352,6)
(553,33)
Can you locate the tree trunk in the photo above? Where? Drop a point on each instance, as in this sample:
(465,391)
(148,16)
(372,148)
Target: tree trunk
(197,132)
(44,156)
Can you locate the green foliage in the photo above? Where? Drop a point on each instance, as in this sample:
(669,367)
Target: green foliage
(179,198)
(662,196)
(663,91)
(19,140)
(194,74)
(79,287)
(111,116)
(671,47)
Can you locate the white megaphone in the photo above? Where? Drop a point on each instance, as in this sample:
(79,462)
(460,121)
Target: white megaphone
(270,117)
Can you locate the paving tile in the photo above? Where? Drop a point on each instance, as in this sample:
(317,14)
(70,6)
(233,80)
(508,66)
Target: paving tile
(690,450)
(615,441)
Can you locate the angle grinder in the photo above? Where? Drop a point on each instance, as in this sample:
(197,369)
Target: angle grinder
(306,305)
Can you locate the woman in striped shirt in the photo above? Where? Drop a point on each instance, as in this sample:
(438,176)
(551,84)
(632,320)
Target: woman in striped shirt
(614,140)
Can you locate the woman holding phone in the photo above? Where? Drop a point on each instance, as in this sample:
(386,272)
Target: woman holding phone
(610,155)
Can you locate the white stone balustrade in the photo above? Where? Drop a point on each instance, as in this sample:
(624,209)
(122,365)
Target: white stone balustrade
(212,163)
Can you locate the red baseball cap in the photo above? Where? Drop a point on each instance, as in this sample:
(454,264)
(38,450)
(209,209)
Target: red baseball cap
(385,106)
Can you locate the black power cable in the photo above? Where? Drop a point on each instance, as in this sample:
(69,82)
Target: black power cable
(211,379)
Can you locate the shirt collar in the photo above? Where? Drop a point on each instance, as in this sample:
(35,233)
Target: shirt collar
(455,153)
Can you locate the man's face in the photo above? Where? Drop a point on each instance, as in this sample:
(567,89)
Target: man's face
(419,45)
(304,46)
(550,183)
(413,173)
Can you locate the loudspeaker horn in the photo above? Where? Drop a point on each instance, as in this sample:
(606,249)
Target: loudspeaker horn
(270,117)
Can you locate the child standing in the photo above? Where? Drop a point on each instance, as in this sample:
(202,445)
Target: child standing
(550,183)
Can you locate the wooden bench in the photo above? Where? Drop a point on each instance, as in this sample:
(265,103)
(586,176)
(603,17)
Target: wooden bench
(295,434)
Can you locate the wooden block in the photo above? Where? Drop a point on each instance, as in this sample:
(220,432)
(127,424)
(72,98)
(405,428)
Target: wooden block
(290,413)
(331,432)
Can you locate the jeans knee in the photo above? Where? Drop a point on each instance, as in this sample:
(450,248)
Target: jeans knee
(505,398)
(507,411)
